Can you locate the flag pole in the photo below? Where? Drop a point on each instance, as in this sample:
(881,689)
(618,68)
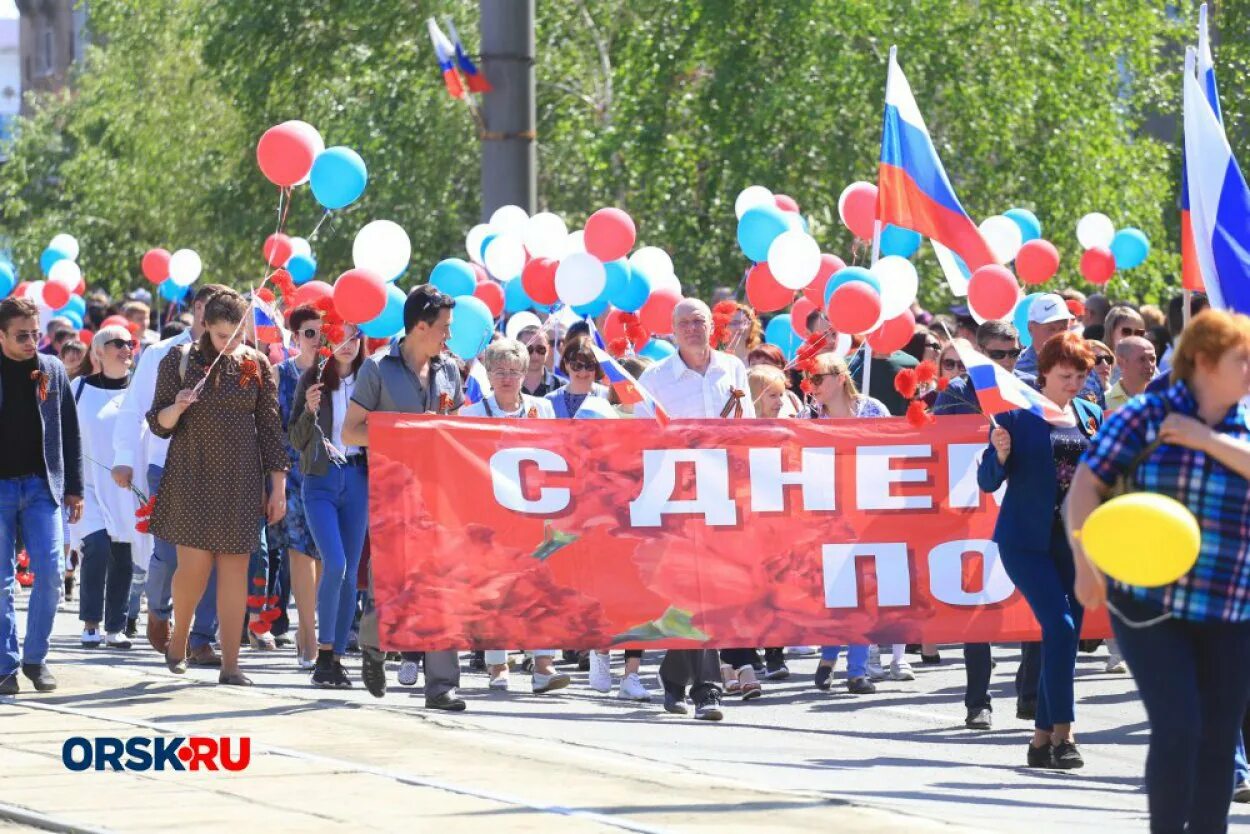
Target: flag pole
(876,245)
(1187,296)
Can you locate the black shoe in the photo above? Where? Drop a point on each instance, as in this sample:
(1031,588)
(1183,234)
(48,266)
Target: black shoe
(979,719)
(567,656)
(1089,646)
(1026,710)
(1043,757)
(341,680)
(912,648)
(9,684)
(69,587)
(707,707)
(861,686)
(931,659)
(373,671)
(775,670)
(583,661)
(1067,757)
(132,628)
(39,676)
(323,675)
(824,678)
(675,704)
(446,702)
(477,662)
(281,640)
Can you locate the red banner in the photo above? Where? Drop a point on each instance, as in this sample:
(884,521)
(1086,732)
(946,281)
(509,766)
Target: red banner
(596,533)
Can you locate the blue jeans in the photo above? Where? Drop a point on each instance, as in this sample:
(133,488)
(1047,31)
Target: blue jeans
(1046,579)
(336,506)
(1194,680)
(28,510)
(856,659)
(104,581)
(160,584)
(138,581)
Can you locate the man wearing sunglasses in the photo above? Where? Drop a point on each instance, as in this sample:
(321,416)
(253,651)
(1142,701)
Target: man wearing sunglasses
(40,469)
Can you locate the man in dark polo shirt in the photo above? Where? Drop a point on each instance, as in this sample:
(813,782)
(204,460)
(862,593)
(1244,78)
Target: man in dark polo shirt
(411,378)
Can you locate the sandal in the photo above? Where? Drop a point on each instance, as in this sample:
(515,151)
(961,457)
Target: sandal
(234,679)
(748,685)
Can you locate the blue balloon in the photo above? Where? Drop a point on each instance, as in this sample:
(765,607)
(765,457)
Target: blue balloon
(8,280)
(617,278)
(592,308)
(172,292)
(758,228)
(454,277)
(73,317)
(471,327)
(781,333)
(1030,226)
(847,275)
(390,321)
(302,268)
(338,177)
(49,257)
(485,242)
(1130,247)
(515,298)
(657,349)
(1020,318)
(75,305)
(896,240)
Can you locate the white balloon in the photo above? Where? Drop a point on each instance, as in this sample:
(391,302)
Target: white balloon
(184,267)
(300,246)
(1095,229)
(545,235)
(510,219)
(66,243)
(65,272)
(314,136)
(34,291)
(382,246)
(519,322)
(752,195)
(580,279)
(473,241)
(842,345)
(669,282)
(505,256)
(654,261)
(1003,237)
(574,243)
(794,259)
(899,284)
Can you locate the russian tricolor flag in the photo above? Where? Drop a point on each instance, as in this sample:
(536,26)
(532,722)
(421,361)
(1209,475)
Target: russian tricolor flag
(912,188)
(999,390)
(446,59)
(268,323)
(627,389)
(1219,200)
(1191,273)
(476,80)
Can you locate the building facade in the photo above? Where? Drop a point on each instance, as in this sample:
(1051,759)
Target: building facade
(53,36)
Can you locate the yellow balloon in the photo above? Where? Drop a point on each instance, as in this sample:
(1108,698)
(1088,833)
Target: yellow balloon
(1142,538)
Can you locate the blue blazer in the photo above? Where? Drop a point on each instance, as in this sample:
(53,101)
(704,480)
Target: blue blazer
(1026,517)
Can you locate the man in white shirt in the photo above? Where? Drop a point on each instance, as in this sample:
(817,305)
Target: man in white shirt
(696,382)
(133,444)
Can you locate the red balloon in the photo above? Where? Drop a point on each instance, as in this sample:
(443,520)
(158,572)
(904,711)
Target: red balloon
(893,334)
(1098,265)
(277,249)
(799,313)
(56,295)
(859,210)
(854,308)
(786,203)
(993,291)
(815,291)
(82,286)
(85,336)
(115,321)
(312,291)
(479,272)
(156,265)
(285,154)
(614,327)
(539,280)
(492,295)
(20,290)
(657,313)
(763,291)
(1037,261)
(359,295)
(610,234)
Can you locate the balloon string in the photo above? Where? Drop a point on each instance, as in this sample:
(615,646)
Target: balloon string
(312,235)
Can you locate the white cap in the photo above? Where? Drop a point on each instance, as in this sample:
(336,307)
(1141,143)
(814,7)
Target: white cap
(1049,308)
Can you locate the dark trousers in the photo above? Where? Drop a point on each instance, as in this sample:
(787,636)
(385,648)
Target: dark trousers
(740,658)
(698,669)
(104,581)
(1194,680)
(1028,672)
(977,666)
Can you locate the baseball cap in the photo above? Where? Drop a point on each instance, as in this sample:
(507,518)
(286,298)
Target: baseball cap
(1048,308)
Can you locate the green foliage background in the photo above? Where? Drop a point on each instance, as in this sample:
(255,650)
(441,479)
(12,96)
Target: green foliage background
(666,108)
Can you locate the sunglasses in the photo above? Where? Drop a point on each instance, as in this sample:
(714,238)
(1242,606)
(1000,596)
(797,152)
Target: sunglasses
(579,365)
(952,365)
(1104,359)
(24,336)
(933,346)
(122,343)
(537,350)
(1000,355)
(1130,331)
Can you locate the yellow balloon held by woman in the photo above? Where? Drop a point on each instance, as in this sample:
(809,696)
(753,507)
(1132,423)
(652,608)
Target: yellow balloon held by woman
(1142,539)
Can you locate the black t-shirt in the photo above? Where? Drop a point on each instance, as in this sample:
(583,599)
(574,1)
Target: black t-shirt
(21,429)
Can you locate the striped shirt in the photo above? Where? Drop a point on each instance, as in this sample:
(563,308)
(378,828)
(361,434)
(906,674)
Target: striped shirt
(1218,586)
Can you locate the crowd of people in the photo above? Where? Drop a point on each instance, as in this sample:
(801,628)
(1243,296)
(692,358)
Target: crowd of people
(246,463)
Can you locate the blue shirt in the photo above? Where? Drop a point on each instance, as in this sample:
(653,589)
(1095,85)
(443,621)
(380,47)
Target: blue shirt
(1218,587)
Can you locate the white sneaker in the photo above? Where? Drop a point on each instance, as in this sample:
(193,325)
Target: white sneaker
(117,640)
(1116,665)
(550,683)
(409,671)
(600,671)
(873,666)
(632,689)
(500,681)
(900,670)
(91,638)
(803,651)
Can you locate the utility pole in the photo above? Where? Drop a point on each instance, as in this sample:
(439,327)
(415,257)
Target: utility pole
(508,140)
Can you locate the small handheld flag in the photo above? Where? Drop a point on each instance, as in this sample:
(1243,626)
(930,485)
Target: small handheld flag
(999,391)
(446,55)
(476,79)
(628,389)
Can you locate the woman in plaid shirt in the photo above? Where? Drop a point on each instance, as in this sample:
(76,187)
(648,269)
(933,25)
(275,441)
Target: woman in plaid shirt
(1188,643)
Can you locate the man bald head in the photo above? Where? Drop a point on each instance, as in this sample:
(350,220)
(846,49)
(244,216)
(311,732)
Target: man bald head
(692,328)
(1136,359)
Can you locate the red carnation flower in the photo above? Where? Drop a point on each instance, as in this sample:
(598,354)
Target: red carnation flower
(806,386)
(905,383)
(334,333)
(943,384)
(725,308)
(926,372)
(618,347)
(143,525)
(918,415)
(325,352)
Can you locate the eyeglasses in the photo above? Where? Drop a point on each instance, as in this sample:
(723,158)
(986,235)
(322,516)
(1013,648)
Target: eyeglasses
(1132,331)
(1000,355)
(1104,359)
(506,373)
(933,346)
(952,365)
(24,336)
(311,333)
(576,365)
(537,350)
(122,343)
(692,324)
